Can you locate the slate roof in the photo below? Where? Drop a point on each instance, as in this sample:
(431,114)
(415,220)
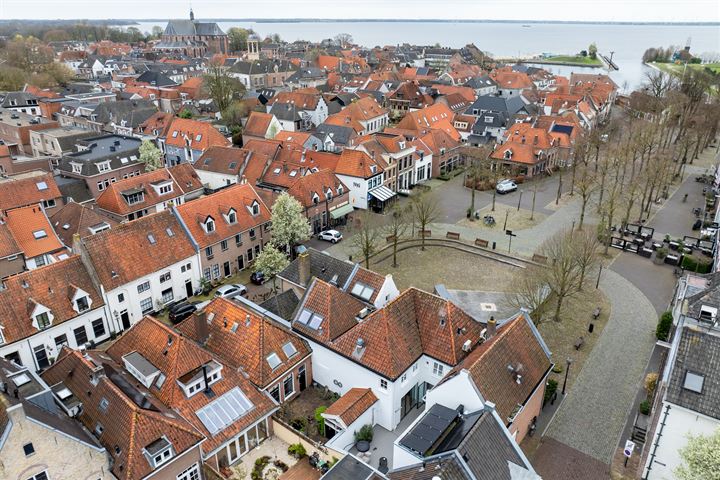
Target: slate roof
(100,149)
(698,353)
(493,103)
(132,112)
(283,304)
(192,28)
(322,266)
(156,79)
(261,67)
(340,135)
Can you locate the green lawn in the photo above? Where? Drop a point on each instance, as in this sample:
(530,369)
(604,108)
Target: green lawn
(579,59)
(677,69)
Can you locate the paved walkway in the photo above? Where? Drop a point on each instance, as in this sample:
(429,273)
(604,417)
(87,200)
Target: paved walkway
(592,417)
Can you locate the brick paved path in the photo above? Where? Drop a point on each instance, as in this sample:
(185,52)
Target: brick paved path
(592,416)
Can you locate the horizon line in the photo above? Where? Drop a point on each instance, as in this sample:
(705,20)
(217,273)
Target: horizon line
(375,20)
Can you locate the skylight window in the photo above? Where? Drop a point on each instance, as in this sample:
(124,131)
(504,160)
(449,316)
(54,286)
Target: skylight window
(273,360)
(198,138)
(175,134)
(169,232)
(310,319)
(694,382)
(42,186)
(38,234)
(289,349)
(21,379)
(151,238)
(224,411)
(362,291)
(64,393)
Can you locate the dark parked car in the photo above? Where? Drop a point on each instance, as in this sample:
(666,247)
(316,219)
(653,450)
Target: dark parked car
(258,278)
(181,311)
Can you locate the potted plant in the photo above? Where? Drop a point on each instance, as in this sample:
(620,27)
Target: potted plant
(660,255)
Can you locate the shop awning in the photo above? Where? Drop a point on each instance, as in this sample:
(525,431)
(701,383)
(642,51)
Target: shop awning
(341,211)
(382,193)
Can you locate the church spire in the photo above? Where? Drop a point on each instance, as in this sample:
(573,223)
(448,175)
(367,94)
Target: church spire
(192,15)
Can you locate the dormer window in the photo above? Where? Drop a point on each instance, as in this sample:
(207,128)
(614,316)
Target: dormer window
(194,381)
(315,198)
(373,169)
(42,320)
(209,225)
(159,452)
(134,197)
(232,216)
(165,189)
(255,208)
(329,194)
(340,190)
(82,304)
(708,314)
(103,167)
(508,154)
(76,167)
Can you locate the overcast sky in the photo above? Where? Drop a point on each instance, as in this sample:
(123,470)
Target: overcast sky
(608,10)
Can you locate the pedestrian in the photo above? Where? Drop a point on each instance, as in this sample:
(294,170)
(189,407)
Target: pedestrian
(685,198)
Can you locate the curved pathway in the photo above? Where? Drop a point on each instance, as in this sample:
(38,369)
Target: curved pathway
(592,416)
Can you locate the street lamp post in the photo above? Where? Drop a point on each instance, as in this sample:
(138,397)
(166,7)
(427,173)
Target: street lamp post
(567,370)
(519,200)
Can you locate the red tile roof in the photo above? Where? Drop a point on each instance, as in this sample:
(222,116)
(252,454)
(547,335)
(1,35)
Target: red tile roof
(182,177)
(243,340)
(199,135)
(8,247)
(177,357)
(32,231)
(52,286)
(130,428)
(126,253)
(75,218)
(518,344)
(28,190)
(356,163)
(258,124)
(239,198)
(350,406)
(307,186)
(437,116)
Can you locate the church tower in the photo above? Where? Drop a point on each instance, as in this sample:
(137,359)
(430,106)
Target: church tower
(192,15)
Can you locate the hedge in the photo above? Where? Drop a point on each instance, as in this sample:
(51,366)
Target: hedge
(664,325)
(691,264)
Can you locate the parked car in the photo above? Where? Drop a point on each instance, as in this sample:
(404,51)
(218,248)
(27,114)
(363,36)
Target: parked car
(231,290)
(180,311)
(332,236)
(258,278)
(505,186)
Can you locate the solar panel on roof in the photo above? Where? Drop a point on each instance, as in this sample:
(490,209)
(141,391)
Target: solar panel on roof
(429,429)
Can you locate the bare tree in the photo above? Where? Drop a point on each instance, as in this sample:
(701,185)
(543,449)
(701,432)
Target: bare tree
(478,170)
(396,229)
(586,185)
(657,83)
(367,237)
(585,248)
(562,275)
(530,292)
(425,212)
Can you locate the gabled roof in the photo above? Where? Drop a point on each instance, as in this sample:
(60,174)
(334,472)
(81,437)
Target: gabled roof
(52,286)
(357,163)
(318,183)
(322,266)
(182,178)
(352,404)
(32,231)
(413,324)
(338,311)
(258,124)
(27,190)
(239,198)
(74,218)
(8,246)
(198,135)
(437,116)
(131,428)
(178,358)
(244,339)
(126,252)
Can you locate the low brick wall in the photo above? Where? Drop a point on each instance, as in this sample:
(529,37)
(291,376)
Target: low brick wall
(289,435)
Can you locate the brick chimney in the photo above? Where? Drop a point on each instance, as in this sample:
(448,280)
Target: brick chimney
(304,268)
(201,327)
(491,324)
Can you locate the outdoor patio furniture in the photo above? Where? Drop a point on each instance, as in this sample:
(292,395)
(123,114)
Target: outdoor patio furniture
(383,465)
(579,343)
(362,446)
(672,259)
(645,252)
(596,313)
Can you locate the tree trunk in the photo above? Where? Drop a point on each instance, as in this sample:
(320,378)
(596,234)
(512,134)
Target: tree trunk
(395,242)
(572,181)
(558,306)
(582,211)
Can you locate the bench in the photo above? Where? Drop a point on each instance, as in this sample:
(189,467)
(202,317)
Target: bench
(453,235)
(425,233)
(596,313)
(539,258)
(390,238)
(479,242)
(579,343)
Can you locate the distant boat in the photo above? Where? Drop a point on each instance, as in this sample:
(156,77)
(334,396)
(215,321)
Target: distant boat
(526,26)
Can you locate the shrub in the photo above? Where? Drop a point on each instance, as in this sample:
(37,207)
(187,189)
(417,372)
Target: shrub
(651,380)
(557,369)
(693,264)
(365,433)
(663,327)
(297,450)
(299,423)
(260,464)
(320,419)
(282,465)
(550,389)
(661,253)
(644,407)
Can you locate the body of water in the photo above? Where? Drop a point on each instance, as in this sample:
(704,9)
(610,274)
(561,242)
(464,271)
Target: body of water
(506,39)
